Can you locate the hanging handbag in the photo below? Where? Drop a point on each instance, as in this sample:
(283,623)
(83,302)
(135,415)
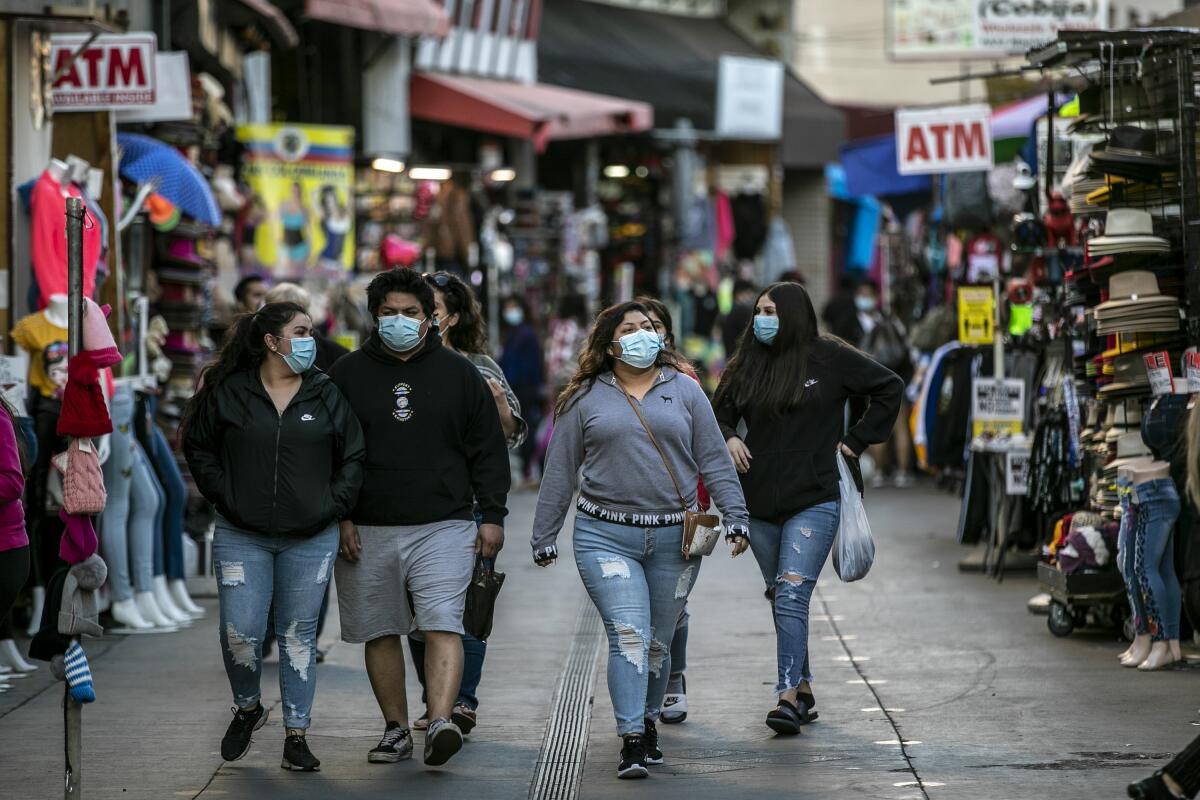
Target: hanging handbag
(700,531)
(482,591)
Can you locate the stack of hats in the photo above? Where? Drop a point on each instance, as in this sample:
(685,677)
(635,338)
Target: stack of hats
(1127,230)
(1129,377)
(1135,305)
(1131,153)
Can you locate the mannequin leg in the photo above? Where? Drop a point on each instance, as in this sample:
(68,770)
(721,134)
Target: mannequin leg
(114,522)
(175,492)
(1160,506)
(1126,543)
(144,505)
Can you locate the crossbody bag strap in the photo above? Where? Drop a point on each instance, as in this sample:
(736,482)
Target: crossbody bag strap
(632,404)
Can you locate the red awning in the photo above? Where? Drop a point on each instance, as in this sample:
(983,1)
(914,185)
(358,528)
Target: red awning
(401,17)
(537,111)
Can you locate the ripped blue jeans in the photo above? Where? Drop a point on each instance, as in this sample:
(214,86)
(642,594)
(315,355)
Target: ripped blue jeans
(253,571)
(790,557)
(639,582)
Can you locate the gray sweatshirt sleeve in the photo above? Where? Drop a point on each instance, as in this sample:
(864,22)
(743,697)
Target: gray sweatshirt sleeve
(713,459)
(560,479)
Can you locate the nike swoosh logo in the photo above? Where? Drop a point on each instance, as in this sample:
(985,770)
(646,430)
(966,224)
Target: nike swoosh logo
(811,382)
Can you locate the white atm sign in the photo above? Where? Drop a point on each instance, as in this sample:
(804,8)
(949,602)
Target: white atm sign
(112,71)
(950,139)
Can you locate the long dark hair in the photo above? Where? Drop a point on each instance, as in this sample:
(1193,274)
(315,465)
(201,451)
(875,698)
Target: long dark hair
(469,334)
(659,309)
(244,348)
(595,360)
(771,377)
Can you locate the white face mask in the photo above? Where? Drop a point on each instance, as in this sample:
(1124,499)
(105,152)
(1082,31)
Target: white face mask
(864,304)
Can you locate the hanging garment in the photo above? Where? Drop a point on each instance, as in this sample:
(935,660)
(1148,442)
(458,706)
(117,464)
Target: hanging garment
(750,224)
(780,253)
(49,240)
(46,344)
(725,226)
(700,224)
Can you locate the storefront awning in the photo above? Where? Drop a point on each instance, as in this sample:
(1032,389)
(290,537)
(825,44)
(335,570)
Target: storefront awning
(275,21)
(537,111)
(400,17)
(671,63)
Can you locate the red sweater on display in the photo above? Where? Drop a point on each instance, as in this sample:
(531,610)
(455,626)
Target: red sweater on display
(49,241)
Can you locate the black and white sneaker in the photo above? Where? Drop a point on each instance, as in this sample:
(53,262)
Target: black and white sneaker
(633,757)
(297,756)
(236,742)
(442,741)
(654,756)
(396,745)
(674,708)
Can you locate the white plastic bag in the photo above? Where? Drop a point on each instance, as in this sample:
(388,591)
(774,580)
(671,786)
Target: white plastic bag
(853,549)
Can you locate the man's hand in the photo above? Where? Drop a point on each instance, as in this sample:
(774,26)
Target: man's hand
(490,540)
(350,547)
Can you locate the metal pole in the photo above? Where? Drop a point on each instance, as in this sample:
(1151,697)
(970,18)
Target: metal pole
(73,711)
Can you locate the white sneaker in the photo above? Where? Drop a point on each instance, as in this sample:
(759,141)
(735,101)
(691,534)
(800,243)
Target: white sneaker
(903,480)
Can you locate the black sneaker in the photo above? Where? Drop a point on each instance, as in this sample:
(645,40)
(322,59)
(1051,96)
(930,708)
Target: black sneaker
(396,745)
(237,736)
(442,741)
(297,756)
(654,756)
(1152,788)
(633,757)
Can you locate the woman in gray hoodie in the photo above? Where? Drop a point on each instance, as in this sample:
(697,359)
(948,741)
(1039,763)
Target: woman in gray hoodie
(628,522)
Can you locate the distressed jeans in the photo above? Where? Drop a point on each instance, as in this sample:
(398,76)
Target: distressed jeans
(1154,556)
(640,583)
(790,557)
(253,571)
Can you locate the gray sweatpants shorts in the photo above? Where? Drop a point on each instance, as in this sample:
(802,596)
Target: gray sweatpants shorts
(409,578)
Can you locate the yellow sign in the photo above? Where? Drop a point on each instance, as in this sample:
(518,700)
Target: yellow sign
(301,215)
(976,315)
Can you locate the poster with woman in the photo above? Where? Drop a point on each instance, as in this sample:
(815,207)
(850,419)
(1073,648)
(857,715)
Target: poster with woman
(300,218)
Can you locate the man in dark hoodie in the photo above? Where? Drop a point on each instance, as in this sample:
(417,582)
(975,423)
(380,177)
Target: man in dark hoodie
(435,449)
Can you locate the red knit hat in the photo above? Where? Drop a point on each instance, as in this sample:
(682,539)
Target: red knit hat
(97,338)
(83,409)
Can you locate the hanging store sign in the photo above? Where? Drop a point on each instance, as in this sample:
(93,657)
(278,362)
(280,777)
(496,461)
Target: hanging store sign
(997,406)
(749,98)
(950,139)
(976,314)
(1016,472)
(107,72)
(983,29)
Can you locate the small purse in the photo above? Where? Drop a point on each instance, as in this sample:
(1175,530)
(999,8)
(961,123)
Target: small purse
(701,531)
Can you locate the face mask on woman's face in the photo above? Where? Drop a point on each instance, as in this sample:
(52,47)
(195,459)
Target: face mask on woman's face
(640,348)
(514,316)
(765,328)
(400,333)
(864,303)
(303,355)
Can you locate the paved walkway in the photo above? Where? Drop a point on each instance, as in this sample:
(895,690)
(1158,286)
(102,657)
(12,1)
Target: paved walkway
(990,705)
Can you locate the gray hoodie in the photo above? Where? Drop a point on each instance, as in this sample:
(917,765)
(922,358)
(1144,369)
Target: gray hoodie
(622,471)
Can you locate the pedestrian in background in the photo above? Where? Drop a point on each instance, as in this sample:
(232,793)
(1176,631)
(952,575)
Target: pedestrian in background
(272,443)
(461,326)
(886,341)
(521,360)
(250,294)
(435,451)
(675,706)
(789,385)
(739,317)
(568,332)
(628,526)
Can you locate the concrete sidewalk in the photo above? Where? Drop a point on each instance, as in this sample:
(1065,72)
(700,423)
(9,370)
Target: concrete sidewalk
(991,705)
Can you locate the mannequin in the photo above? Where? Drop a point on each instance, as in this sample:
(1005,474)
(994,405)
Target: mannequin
(59,171)
(1156,570)
(1137,652)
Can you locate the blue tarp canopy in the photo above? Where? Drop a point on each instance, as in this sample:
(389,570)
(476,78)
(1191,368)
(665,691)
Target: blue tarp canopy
(870,166)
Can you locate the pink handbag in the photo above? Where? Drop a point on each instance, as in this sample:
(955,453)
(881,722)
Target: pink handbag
(83,481)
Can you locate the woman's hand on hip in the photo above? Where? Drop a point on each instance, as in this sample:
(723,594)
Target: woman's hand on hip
(350,546)
(740,453)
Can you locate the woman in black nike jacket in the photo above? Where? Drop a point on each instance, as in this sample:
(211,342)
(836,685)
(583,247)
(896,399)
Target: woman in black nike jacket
(275,447)
(789,385)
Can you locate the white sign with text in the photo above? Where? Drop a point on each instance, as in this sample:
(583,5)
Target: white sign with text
(111,71)
(948,139)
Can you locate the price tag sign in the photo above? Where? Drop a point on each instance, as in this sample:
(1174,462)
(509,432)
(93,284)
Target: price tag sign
(1158,368)
(997,407)
(1191,370)
(1016,473)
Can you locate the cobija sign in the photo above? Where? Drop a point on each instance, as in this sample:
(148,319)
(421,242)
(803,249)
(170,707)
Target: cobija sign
(114,71)
(949,139)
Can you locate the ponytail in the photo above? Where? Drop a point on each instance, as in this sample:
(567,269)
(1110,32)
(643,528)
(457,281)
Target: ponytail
(243,349)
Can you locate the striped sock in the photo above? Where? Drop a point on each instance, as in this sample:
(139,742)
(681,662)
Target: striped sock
(79,674)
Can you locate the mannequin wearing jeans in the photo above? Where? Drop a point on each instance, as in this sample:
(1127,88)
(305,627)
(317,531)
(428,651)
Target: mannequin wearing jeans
(127,525)
(1154,562)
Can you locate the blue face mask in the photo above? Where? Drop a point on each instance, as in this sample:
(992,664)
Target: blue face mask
(765,328)
(640,348)
(400,333)
(303,355)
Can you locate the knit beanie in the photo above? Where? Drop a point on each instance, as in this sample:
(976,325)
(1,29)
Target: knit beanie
(78,542)
(83,411)
(97,338)
(80,612)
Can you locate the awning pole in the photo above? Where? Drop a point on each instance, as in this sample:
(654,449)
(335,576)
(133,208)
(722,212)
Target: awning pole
(72,710)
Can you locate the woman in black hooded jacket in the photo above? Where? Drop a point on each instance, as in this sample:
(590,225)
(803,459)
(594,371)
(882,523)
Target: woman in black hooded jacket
(272,443)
